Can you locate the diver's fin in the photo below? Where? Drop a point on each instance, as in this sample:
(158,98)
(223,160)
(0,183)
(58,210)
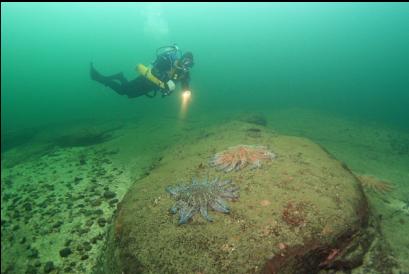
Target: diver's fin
(95,75)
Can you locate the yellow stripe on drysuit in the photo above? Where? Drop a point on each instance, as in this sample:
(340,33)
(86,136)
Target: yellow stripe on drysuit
(146,72)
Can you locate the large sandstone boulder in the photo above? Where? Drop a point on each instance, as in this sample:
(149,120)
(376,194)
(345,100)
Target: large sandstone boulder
(302,212)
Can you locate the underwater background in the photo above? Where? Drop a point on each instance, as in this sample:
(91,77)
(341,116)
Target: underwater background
(337,73)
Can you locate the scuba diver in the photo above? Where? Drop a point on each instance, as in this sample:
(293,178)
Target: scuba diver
(170,66)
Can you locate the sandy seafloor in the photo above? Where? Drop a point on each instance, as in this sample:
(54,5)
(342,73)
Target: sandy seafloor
(57,201)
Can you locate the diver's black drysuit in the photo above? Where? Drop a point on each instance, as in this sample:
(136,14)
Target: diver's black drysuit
(163,69)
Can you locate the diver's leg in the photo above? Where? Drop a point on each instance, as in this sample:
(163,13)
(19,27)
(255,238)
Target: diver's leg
(109,81)
(138,87)
(95,75)
(119,76)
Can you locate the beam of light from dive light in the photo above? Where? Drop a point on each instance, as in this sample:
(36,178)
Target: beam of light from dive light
(186,95)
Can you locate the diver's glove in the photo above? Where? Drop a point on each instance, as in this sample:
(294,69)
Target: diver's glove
(170,86)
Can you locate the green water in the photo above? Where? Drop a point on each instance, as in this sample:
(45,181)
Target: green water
(308,67)
(346,58)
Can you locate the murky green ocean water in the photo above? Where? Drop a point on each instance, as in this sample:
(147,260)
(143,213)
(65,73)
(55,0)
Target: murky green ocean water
(71,147)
